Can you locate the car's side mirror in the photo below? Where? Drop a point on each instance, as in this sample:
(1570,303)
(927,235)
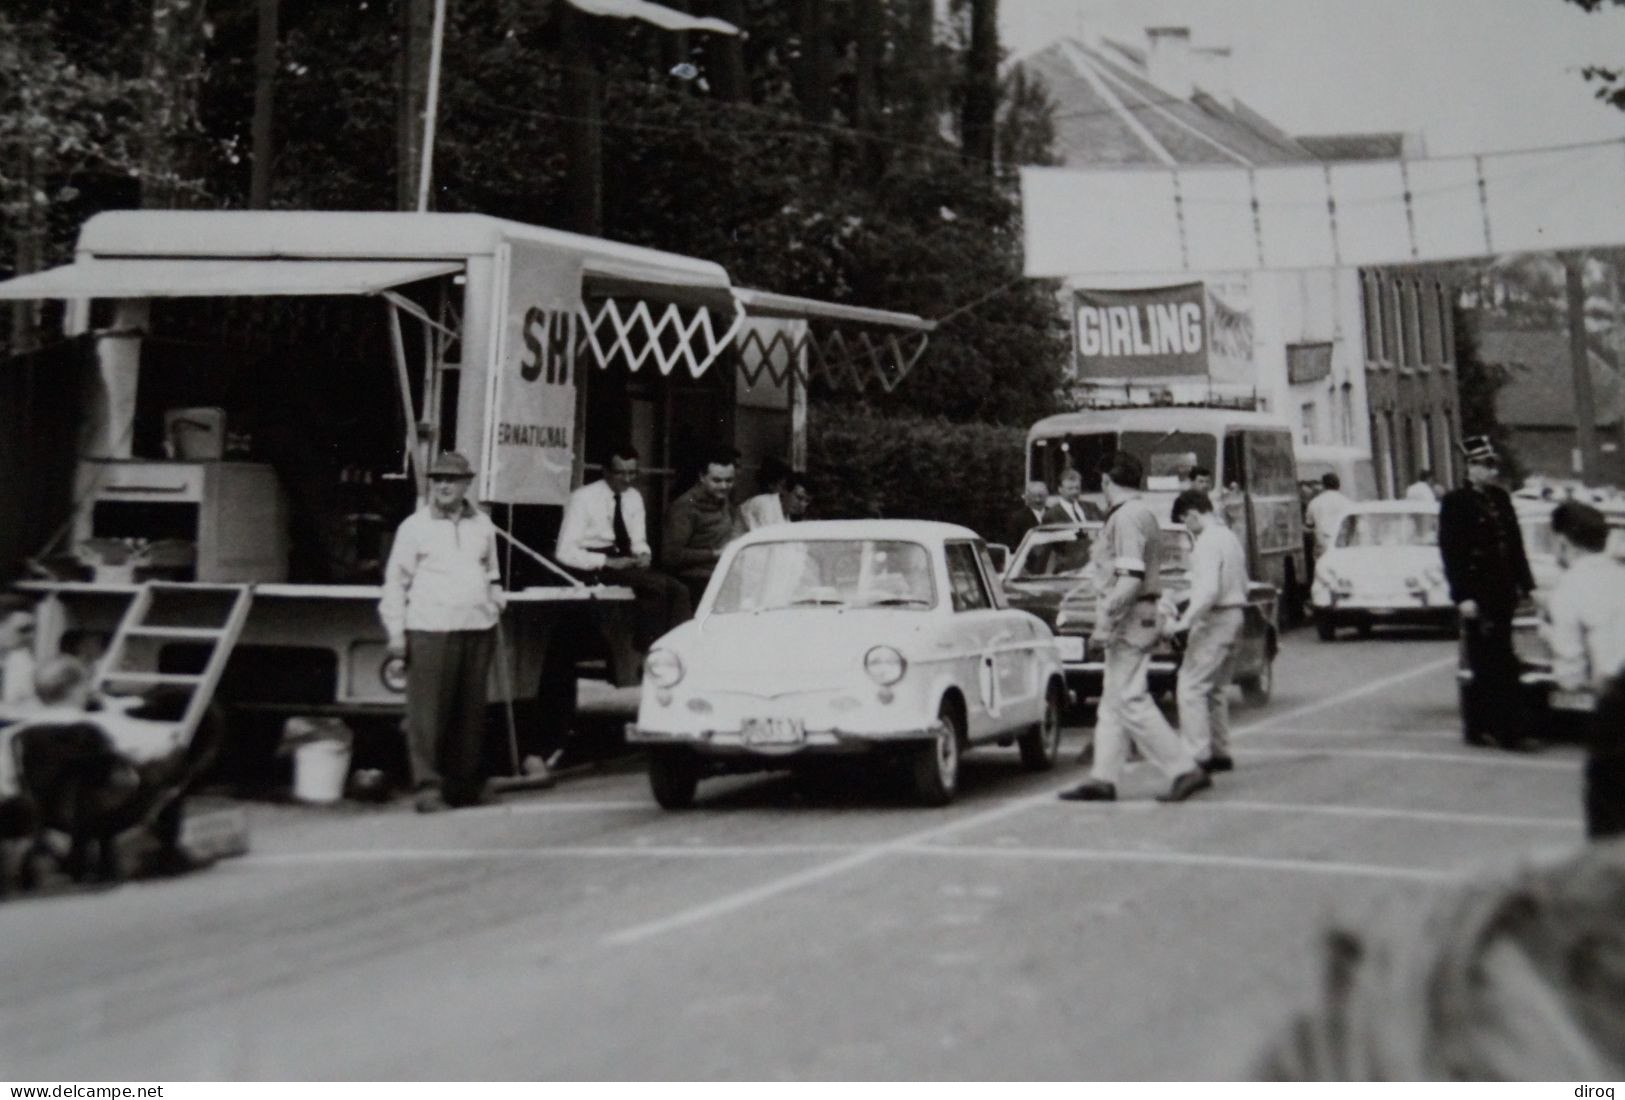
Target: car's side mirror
(999,555)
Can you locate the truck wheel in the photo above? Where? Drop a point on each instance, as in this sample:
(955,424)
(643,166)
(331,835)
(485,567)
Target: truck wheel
(1257,689)
(674,774)
(1325,628)
(935,765)
(1041,746)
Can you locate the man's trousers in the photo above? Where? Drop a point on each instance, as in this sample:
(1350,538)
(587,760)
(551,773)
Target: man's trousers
(1126,709)
(1204,682)
(446,678)
(1494,706)
(1605,764)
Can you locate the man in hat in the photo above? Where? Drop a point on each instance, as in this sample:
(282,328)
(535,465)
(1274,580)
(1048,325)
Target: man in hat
(1489,575)
(442,597)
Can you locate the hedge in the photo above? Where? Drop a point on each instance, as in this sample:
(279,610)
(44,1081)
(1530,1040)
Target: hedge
(904,467)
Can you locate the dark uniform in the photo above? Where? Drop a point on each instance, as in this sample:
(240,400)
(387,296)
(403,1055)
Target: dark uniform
(1484,561)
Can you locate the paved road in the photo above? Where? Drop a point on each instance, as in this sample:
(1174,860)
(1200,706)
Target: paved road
(795,931)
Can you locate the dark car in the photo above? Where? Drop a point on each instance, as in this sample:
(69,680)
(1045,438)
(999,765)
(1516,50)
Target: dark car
(1051,575)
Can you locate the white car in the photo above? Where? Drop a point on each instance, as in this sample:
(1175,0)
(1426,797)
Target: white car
(1383,567)
(849,637)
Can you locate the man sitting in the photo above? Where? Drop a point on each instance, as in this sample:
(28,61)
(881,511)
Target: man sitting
(701,523)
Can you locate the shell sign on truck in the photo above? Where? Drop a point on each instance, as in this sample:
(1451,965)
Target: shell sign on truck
(1149,333)
(533,394)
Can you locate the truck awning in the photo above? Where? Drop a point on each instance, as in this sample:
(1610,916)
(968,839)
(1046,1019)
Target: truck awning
(764,303)
(155,278)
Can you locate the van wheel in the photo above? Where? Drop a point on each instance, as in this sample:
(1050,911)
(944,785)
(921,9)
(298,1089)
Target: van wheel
(1041,746)
(935,765)
(674,776)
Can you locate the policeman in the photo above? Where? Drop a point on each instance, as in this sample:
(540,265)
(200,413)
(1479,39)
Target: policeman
(1489,575)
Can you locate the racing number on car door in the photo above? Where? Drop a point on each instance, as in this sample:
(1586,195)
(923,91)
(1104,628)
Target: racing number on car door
(979,627)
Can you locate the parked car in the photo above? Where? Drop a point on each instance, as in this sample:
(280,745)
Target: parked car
(1552,712)
(1383,567)
(1050,575)
(879,637)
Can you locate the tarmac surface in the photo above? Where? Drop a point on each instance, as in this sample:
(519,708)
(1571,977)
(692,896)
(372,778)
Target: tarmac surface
(797,929)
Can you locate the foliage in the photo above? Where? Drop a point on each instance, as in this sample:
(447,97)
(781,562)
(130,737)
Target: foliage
(1610,80)
(1477,384)
(862,464)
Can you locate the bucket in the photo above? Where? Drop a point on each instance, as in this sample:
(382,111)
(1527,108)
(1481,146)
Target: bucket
(196,434)
(319,770)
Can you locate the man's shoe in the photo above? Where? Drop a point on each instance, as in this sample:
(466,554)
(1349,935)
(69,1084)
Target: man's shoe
(1090,790)
(430,801)
(1517,744)
(1218,764)
(1186,785)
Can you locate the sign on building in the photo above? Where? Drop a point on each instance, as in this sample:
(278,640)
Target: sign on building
(1156,332)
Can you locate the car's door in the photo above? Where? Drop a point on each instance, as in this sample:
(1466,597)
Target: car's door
(998,694)
(1017,661)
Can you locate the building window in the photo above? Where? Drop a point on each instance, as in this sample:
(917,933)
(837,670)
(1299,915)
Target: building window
(1390,323)
(1396,470)
(1410,349)
(1447,327)
(1428,308)
(1424,445)
(1348,414)
(1371,301)
(1308,413)
(1384,456)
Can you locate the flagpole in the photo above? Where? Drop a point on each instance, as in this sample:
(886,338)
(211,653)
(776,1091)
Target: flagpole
(431,105)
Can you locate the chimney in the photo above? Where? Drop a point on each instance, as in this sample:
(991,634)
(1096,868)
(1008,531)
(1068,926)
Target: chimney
(1210,69)
(1168,61)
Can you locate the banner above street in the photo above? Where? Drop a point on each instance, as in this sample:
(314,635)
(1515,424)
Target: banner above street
(1153,333)
(1334,214)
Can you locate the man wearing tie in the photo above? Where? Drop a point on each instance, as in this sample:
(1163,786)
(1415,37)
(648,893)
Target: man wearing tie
(604,540)
(1069,506)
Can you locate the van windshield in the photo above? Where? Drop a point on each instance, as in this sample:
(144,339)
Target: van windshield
(1166,456)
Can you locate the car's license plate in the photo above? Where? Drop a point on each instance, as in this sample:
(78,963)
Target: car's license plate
(1572,700)
(1071,646)
(774,731)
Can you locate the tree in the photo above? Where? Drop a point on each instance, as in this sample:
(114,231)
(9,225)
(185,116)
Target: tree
(1477,384)
(1610,80)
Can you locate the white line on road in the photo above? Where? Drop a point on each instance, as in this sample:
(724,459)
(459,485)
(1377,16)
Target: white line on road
(1189,859)
(1486,758)
(1349,696)
(1375,813)
(569,851)
(742,899)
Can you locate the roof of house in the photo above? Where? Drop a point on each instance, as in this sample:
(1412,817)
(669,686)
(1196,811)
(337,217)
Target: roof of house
(1109,112)
(1540,391)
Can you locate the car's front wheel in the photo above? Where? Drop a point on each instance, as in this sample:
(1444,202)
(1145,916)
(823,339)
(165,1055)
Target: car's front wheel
(1041,746)
(674,775)
(935,765)
(1256,689)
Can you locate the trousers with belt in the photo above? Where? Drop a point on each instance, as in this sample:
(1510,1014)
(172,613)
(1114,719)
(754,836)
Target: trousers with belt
(1204,682)
(1126,709)
(662,600)
(446,677)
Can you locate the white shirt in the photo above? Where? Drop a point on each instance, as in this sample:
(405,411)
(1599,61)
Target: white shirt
(587,535)
(1218,572)
(1587,610)
(762,510)
(1325,514)
(443,574)
(1421,490)
(17,676)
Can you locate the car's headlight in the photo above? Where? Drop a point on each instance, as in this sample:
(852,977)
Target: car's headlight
(884,665)
(663,667)
(1330,578)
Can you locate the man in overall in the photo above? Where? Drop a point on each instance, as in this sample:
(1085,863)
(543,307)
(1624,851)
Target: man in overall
(1130,563)
(442,598)
(1218,604)
(1484,561)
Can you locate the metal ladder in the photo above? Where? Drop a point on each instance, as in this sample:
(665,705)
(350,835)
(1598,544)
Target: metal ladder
(222,638)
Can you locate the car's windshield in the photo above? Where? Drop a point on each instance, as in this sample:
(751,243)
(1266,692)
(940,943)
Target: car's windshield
(827,573)
(1065,553)
(1389,529)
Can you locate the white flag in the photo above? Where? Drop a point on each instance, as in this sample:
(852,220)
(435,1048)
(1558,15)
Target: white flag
(661,16)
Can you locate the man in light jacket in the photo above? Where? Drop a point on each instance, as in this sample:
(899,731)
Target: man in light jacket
(1218,603)
(442,598)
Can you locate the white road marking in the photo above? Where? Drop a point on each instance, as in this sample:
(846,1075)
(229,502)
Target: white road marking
(556,806)
(1189,859)
(576,851)
(1360,692)
(1487,758)
(1376,813)
(731,903)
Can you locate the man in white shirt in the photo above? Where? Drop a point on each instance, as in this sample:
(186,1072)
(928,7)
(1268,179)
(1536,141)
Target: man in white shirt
(442,597)
(1587,611)
(604,540)
(1218,602)
(1326,512)
(1422,488)
(785,502)
(16,649)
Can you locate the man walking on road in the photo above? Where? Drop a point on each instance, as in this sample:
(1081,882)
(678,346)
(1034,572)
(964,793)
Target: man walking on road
(1129,565)
(1218,601)
(1484,562)
(1326,512)
(1588,654)
(442,597)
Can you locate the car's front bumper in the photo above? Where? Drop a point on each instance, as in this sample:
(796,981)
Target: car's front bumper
(1396,612)
(733,742)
